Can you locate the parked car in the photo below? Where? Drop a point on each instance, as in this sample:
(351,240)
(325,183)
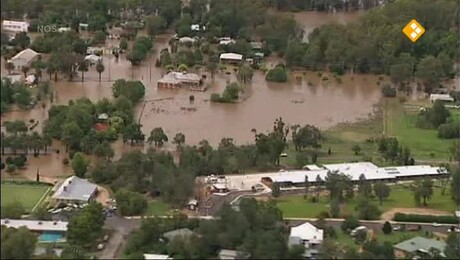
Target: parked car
(397,228)
(453,229)
(435,224)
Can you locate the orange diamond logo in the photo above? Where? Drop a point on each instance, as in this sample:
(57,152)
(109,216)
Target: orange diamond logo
(413,30)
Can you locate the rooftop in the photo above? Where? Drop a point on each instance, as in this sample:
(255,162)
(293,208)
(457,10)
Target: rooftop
(308,232)
(183,232)
(74,188)
(420,243)
(231,56)
(156,256)
(36,225)
(27,54)
(174,77)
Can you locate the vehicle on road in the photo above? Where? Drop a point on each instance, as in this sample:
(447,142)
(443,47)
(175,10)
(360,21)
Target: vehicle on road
(397,228)
(435,224)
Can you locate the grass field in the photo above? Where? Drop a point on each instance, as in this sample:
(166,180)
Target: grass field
(424,143)
(157,207)
(400,197)
(344,240)
(27,195)
(396,119)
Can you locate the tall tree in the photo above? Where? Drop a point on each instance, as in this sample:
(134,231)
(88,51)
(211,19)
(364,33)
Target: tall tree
(157,136)
(83,67)
(80,164)
(17,243)
(86,226)
(423,190)
(382,191)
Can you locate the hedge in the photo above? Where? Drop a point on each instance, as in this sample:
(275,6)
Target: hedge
(446,219)
(26,182)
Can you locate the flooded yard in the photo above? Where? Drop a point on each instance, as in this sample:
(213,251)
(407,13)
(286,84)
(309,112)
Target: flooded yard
(305,99)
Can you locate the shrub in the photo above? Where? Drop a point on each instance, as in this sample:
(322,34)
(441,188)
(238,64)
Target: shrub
(350,223)
(447,219)
(449,131)
(11,168)
(388,91)
(277,74)
(20,161)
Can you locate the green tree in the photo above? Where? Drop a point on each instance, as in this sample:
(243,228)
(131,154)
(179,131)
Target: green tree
(74,252)
(158,137)
(452,250)
(387,228)
(306,136)
(100,68)
(17,243)
(276,192)
(104,150)
(41,213)
(382,191)
(350,222)
(245,74)
(86,226)
(277,74)
(455,185)
(133,90)
(130,203)
(423,190)
(335,208)
(179,139)
(367,210)
(356,149)
(79,164)
(431,71)
(83,67)
(155,25)
(364,187)
(13,210)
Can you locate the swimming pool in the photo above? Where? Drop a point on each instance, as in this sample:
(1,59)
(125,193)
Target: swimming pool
(51,237)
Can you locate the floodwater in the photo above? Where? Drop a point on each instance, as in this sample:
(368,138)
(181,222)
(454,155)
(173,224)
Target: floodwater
(305,99)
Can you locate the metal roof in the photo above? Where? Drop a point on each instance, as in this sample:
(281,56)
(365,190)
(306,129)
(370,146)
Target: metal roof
(74,188)
(420,243)
(231,56)
(36,225)
(27,54)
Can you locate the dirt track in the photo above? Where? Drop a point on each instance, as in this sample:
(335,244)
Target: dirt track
(388,215)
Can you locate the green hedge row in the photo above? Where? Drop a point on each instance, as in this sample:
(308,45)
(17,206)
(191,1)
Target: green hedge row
(446,219)
(26,182)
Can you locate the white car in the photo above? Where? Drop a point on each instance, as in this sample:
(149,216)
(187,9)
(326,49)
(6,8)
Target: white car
(453,229)
(435,224)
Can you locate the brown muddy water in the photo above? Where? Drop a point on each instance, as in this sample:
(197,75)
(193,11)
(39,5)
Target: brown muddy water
(305,99)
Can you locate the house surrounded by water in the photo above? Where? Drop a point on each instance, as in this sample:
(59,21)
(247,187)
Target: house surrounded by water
(24,59)
(181,80)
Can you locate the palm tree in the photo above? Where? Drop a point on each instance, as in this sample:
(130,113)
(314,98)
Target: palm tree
(100,68)
(82,67)
(51,69)
(245,74)
(9,67)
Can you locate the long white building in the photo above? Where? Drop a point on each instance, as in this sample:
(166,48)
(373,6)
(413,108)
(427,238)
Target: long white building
(15,26)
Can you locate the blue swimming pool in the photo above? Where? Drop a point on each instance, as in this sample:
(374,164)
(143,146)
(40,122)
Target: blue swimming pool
(50,237)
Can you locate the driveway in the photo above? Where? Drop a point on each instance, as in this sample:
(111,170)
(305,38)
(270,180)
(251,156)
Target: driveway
(121,229)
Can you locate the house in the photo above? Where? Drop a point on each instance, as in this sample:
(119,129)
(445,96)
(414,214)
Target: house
(182,233)
(231,57)
(93,59)
(231,254)
(309,236)
(220,188)
(441,97)
(418,247)
(192,204)
(24,59)
(75,190)
(15,26)
(187,40)
(181,79)
(47,231)
(197,27)
(256,45)
(64,29)
(156,257)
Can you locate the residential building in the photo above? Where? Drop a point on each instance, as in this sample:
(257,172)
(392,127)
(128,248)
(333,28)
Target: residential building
(231,254)
(156,257)
(441,97)
(75,190)
(231,57)
(309,236)
(182,233)
(24,59)
(418,247)
(15,26)
(180,80)
(36,225)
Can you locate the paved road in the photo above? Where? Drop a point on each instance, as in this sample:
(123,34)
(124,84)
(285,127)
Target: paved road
(121,227)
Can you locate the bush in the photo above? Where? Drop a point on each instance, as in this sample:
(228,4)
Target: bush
(350,222)
(387,228)
(20,161)
(277,74)
(130,203)
(446,219)
(11,168)
(388,91)
(230,94)
(449,131)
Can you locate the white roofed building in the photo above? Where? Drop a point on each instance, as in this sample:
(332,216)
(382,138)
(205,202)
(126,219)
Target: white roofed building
(24,59)
(441,97)
(231,57)
(36,225)
(75,190)
(15,26)
(156,257)
(307,235)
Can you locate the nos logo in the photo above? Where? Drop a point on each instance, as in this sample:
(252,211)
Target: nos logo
(47,28)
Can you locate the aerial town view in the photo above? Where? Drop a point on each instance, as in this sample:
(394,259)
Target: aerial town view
(230,129)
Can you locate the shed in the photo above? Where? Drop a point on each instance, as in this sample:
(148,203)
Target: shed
(24,59)
(441,97)
(231,57)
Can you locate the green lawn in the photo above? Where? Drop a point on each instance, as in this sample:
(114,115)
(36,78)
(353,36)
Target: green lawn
(296,206)
(395,119)
(424,143)
(157,207)
(27,195)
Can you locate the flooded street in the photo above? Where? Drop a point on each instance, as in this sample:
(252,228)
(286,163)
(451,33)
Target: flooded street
(305,99)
